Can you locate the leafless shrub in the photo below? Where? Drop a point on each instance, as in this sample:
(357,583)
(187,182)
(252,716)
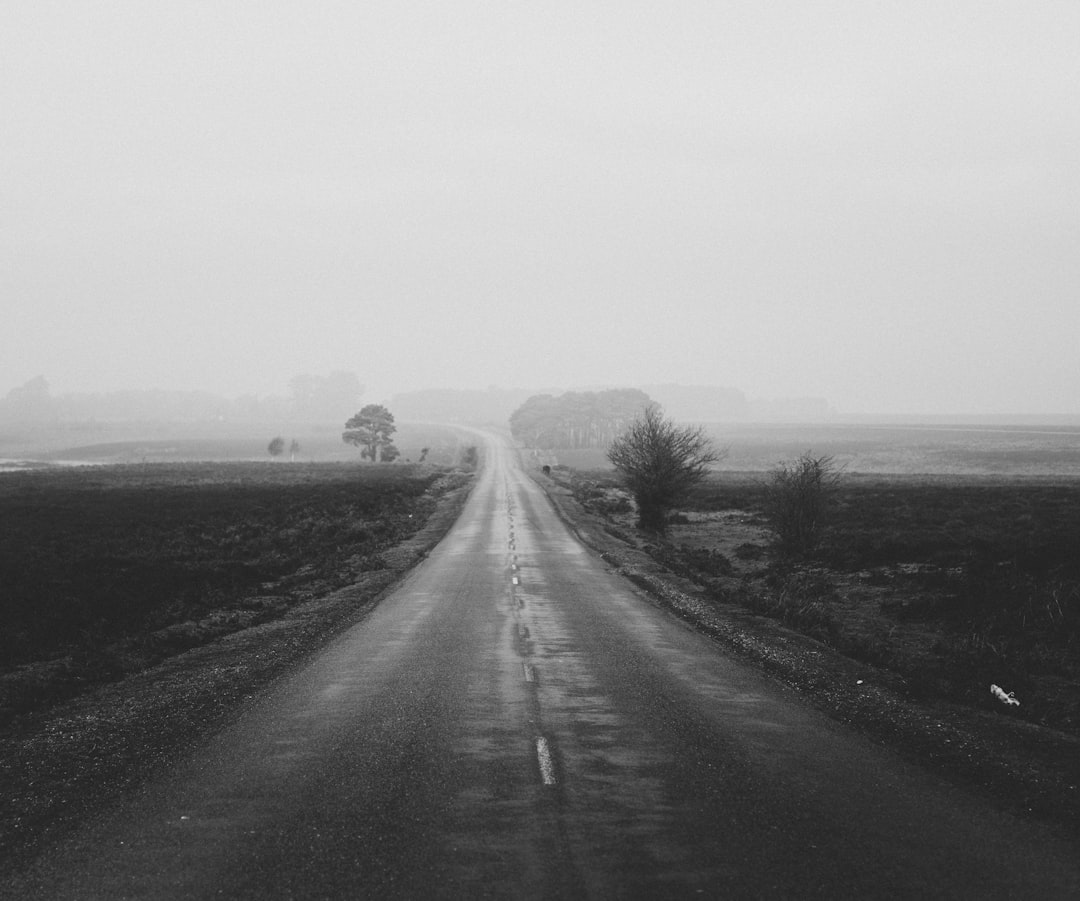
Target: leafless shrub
(659,462)
(797,498)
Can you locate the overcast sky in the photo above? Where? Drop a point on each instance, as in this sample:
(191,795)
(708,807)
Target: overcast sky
(877,203)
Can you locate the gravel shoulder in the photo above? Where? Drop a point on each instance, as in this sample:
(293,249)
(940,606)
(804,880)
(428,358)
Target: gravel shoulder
(1030,770)
(57,767)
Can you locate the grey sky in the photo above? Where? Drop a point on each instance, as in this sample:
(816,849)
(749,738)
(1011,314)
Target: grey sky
(878,203)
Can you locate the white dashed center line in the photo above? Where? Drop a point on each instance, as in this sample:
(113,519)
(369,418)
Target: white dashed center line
(547,766)
(530,673)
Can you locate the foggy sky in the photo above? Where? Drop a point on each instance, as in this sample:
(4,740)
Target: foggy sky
(878,203)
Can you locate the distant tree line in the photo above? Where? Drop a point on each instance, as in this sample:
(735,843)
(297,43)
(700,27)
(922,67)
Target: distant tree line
(330,398)
(577,419)
(311,398)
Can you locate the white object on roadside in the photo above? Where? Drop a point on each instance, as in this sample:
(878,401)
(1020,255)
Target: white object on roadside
(1003,696)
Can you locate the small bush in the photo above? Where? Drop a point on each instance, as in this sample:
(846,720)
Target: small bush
(707,560)
(618,533)
(604,498)
(796,602)
(797,497)
(700,565)
(611,504)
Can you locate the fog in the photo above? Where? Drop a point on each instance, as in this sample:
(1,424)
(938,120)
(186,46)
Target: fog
(878,204)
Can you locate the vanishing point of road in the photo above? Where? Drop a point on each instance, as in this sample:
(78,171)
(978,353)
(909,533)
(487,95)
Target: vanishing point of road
(515,721)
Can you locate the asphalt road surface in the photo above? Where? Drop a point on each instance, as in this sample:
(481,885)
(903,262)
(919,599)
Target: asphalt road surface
(516,722)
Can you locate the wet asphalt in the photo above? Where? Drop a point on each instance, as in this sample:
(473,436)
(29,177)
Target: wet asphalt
(514,721)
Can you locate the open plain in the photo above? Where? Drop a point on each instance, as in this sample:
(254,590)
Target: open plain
(514,720)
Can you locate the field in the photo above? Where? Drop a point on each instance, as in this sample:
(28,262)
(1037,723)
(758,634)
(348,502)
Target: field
(952,582)
(888,449)
(97,444)
(107,569)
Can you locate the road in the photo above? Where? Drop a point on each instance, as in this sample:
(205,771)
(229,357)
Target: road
(517,722)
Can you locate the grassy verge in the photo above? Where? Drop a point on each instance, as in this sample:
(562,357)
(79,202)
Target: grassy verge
(953,583)
(108,570)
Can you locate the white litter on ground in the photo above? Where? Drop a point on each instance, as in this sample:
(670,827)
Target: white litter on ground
(1003,696)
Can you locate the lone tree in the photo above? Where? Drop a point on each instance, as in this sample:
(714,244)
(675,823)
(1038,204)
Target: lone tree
(276,446)
(797,499)
(659,462)
(370,430)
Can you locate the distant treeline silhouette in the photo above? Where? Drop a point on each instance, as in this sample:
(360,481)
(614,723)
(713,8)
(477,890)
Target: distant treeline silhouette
(311,398)
(577,419)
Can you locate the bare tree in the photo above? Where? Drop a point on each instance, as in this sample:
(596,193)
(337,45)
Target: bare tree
(797,498)
(660,462)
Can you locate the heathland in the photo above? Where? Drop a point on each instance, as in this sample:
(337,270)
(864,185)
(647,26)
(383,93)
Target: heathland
(950,556)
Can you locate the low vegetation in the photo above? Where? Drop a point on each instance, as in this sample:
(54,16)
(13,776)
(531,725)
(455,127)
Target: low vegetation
(105,569)
(952,582)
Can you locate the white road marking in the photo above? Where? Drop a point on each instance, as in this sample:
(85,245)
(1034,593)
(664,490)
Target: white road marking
(515,580)
(547,765)
(530,673)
